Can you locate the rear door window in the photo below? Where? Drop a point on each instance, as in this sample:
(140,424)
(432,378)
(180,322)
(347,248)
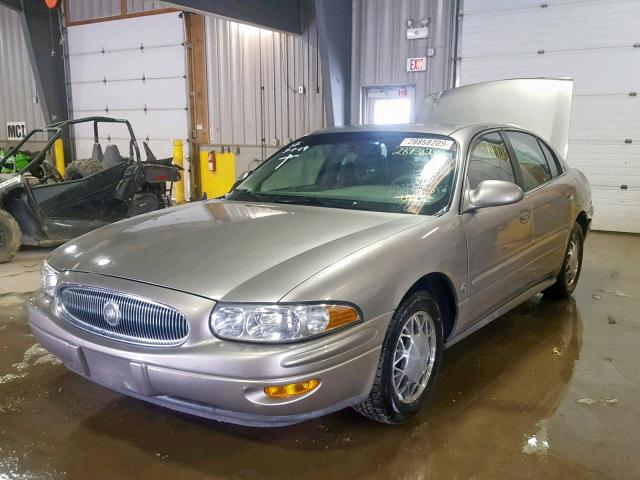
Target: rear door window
(533,164)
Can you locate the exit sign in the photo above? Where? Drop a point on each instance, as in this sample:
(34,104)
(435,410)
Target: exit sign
(416,64)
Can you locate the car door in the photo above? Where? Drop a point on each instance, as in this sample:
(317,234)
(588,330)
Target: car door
(498,238)
(550,198)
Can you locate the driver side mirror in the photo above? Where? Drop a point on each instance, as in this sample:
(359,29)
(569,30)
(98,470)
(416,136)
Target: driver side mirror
(493,193)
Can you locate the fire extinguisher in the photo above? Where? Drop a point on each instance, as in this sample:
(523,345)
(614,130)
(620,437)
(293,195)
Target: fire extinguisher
(212,161)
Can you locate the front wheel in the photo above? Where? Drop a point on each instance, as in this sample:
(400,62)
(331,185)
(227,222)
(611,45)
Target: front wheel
(10,236)
(571,266)
(409,361)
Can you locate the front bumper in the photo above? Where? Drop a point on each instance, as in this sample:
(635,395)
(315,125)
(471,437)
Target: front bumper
(209,377)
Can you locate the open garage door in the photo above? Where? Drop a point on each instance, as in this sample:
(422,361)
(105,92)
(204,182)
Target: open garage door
(131,68)
(595,44)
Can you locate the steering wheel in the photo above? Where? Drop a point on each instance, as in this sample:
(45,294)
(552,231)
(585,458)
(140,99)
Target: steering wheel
(403,180)
(50,173)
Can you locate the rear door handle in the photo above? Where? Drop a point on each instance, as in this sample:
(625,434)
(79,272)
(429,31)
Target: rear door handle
(524,216)
(571,196)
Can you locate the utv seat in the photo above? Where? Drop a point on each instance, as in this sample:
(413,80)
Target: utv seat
(111,157)
(96,153)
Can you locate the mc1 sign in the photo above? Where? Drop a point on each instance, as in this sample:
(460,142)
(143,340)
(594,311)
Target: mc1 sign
(16,130)
(416,64)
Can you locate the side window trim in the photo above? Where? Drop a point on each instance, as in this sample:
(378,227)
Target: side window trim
(467,158)
(512,157)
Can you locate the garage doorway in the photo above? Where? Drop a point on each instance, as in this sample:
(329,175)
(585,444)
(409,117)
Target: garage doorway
(389,104)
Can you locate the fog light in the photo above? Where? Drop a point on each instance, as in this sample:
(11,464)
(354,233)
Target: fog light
(292,389)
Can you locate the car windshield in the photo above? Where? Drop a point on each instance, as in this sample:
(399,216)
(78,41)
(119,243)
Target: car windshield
(387,172)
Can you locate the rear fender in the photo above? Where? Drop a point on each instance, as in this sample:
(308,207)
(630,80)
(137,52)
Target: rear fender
(154,173)
(131,182)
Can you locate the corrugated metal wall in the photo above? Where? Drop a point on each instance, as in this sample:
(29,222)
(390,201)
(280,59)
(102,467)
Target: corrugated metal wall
(18,94)
(89,9)
(144,5)
(381,48)
(253,77)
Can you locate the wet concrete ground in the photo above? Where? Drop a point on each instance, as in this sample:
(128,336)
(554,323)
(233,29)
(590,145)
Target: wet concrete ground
(549,390)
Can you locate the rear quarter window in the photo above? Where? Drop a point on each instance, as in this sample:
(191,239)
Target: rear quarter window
(552,160)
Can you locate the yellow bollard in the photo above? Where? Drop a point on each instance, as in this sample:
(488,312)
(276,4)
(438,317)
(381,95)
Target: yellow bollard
(178,159)
(58,154)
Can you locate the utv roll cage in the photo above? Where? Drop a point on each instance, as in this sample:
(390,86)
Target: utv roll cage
(56,129)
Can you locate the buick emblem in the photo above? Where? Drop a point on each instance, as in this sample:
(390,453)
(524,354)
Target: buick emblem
(111,313)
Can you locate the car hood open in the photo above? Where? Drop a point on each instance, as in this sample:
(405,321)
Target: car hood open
(233,251)
(540,105)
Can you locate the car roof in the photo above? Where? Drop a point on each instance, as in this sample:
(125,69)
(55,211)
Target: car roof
(436,129)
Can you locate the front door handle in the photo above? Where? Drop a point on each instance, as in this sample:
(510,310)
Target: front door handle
(571,196)
(525,216)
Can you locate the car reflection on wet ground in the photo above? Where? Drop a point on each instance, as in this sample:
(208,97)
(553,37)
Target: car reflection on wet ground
(549,390)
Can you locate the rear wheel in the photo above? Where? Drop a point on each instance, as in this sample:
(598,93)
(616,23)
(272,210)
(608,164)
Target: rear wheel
(10,236)
(409,361)
(571,266)
(82,168)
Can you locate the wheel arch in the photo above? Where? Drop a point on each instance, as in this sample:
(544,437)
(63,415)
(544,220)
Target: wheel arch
(584,221)
(441,288)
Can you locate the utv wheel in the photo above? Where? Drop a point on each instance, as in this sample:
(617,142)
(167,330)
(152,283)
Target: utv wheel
(571,266)
(10,237)
(82,168)
(409,361)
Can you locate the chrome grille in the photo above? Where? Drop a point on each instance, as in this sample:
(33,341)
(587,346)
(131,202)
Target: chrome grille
(140,321)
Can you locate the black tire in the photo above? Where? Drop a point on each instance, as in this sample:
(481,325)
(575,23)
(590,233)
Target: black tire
(82,168)
(10,236)
(566,283)
(383,404)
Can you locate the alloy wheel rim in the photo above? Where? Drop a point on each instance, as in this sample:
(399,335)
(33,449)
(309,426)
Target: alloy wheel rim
(414,357)
(572,261)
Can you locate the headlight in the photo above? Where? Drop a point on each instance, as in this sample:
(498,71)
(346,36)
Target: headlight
(279,322)
(49,279)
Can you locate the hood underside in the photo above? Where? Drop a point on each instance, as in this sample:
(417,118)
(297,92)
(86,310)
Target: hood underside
(229,251)
(540,105)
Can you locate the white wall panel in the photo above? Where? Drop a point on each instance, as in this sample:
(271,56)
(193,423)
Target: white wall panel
(605,119)
(530,30)
(500,6)
(153,63)
(616,70)
(592,42)
(108,62)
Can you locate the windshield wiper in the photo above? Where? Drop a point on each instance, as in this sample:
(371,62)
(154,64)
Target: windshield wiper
(251,196)
(248,195)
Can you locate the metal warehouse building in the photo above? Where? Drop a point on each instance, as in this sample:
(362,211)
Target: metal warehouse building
(220,215)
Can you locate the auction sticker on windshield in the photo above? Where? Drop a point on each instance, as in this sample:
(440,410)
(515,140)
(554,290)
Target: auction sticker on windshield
(427,142)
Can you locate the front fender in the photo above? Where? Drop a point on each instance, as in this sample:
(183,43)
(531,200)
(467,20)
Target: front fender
(377,277)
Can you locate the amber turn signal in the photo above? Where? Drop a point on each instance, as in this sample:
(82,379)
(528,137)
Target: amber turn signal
(340,315)
(291,389)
